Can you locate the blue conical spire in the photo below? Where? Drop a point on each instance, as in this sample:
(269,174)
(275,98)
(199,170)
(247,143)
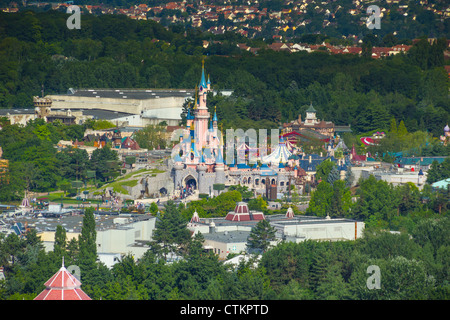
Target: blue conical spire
(202,80)
(189,116)
(211,125)
(219,158)
(215,115)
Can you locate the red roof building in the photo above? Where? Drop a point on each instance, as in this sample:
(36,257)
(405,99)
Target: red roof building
(62,286)
(356,157)
(242,213)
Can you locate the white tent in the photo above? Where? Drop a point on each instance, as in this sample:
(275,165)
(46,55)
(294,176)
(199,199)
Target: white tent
(280,154)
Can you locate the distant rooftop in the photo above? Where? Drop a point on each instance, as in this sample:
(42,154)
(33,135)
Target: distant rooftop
(138,94)
(227,236)
(276,218)
(73,223)
(100,114)
(4,112)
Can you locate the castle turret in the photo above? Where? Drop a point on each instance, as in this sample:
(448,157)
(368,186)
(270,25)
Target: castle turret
(214,119)
(189,118)
(202,181)
(202,115)
(178,167)
(219,169)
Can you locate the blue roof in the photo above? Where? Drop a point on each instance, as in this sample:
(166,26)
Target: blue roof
(266,171)
(189,116)
(416,160)
(178,158)
(219,158)
(202,80)
(194,149)
(243,166)
(305,165)
(215,116)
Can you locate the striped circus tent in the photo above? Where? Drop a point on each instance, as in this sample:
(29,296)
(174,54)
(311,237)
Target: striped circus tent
(280,154)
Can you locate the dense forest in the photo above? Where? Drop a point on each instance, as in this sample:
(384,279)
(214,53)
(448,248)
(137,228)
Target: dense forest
(37,49)
(36,165)
(413,264)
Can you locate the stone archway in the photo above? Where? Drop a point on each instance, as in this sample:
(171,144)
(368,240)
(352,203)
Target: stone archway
(190,181)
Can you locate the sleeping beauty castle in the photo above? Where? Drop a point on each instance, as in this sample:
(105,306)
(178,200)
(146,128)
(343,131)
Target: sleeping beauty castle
(199,165)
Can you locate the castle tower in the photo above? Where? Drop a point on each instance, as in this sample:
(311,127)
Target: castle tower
(42,107)
(202,115)
(201,169)
(178,166)
(214,120)
(193,157)
(189,117)
(311,117)
(219,169)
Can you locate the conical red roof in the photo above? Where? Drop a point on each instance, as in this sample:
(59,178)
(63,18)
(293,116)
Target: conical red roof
(62,286)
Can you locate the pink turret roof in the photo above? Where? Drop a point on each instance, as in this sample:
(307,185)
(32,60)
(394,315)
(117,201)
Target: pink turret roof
(62,286)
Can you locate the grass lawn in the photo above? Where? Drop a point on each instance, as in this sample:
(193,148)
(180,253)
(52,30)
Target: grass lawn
(118,186)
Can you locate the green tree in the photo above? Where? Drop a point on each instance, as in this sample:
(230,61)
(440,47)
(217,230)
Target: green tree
(87,241)
(377,202)
(320,202)
(341,200)
(171,230)
(393,126)
(334,175)
(151,137)
(105,162)
(154,208)
(324,169)
(402,131)
(59,248)
(438,171)
(261,236)
(246,194)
